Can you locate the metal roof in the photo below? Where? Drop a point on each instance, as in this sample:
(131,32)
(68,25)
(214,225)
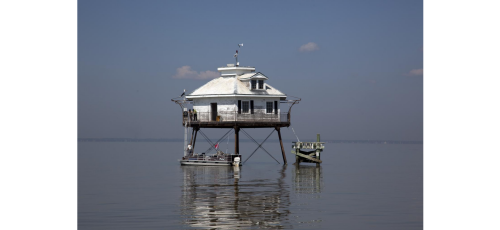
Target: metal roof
(233,85)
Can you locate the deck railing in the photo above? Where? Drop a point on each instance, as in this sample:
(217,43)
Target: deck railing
(212,157)
(217,156)
(234,116)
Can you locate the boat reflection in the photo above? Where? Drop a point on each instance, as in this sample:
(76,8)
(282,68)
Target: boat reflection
(221,197)
(307,179)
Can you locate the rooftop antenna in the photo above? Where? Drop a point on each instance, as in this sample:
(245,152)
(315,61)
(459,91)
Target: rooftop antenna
(236,54)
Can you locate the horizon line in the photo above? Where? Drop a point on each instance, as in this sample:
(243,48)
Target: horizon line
(125,139)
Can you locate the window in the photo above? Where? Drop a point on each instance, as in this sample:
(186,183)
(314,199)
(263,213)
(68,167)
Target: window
(245,106)
(261,84)
(269,107)
(254,84)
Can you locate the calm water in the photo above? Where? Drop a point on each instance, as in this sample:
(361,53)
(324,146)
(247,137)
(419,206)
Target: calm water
(137,185)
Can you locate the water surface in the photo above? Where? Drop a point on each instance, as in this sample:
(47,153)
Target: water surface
(137,185)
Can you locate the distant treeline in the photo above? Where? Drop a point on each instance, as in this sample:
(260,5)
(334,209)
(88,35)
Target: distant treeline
(242,140)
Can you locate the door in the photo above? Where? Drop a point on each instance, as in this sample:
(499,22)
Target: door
(213,111)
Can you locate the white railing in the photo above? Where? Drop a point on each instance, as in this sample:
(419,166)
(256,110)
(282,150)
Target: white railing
(210,157)
(232,116)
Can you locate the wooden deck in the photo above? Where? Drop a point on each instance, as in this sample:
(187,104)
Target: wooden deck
(240,124)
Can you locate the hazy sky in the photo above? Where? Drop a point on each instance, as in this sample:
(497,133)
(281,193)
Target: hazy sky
(357,65)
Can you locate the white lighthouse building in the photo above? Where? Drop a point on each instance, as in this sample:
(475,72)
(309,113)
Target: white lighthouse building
(239,94)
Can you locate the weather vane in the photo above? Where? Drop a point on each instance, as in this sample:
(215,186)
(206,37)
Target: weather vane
(236,54)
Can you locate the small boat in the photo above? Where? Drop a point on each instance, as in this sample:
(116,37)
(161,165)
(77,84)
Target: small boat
(219,158)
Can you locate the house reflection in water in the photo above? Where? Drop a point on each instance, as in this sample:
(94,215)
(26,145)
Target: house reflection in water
(307,179)
(221,197)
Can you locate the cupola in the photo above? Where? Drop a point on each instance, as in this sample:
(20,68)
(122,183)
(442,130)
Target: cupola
(232,70)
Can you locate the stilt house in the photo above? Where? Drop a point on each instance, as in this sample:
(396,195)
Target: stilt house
(239,98)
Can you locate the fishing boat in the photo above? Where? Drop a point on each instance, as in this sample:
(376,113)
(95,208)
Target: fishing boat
(219,158)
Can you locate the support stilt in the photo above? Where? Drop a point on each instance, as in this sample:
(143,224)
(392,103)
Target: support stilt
(192,136)
(281,143)
(194,140)
(236,140)
(297,160)
(318,139)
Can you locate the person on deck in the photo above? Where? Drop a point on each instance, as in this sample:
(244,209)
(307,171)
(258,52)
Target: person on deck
(190,115)
(195,115)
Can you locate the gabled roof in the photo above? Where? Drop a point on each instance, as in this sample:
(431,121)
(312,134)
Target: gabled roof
(234,86)
(251,76)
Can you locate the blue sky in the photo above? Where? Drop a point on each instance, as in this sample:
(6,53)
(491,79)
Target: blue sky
(363,79)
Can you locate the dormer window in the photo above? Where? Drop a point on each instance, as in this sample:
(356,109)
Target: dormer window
(257,84)
(254,81)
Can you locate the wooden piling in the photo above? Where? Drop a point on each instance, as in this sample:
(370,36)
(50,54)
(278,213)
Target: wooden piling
(236,140)
(192,136)
(318,153)
(194,140)
(297,158)
(281,143)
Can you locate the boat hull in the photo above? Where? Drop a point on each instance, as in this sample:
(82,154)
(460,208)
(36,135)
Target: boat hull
(227,160)
(208,163)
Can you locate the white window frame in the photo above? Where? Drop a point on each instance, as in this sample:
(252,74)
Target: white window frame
(260,86)
(243,107)
(272,107)
(257,84)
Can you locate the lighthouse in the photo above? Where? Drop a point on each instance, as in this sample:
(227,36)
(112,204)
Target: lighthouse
(239,98)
